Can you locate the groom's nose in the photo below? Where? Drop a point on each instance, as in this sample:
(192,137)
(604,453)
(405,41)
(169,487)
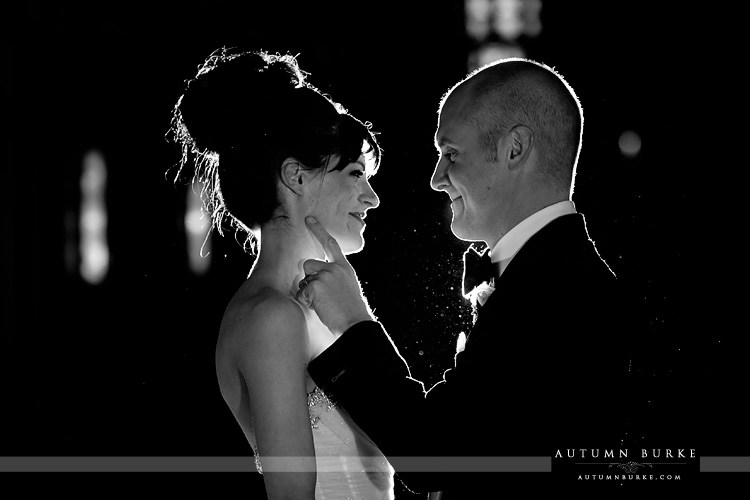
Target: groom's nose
(439,179)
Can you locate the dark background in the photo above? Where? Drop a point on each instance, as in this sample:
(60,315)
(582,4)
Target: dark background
(126,367)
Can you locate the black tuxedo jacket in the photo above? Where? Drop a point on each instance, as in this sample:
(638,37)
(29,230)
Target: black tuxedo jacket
(544,368)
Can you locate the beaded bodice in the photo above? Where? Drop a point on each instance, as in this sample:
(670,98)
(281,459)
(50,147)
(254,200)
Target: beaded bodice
(348,464)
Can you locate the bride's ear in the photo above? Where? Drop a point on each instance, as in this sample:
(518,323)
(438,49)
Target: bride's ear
(293,175)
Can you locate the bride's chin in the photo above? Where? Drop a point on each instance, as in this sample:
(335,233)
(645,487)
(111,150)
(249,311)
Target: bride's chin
(350,246)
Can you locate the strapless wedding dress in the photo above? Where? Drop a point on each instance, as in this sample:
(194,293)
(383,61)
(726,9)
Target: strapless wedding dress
(349,465)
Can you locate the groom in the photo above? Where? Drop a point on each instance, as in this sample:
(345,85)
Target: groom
(544,364)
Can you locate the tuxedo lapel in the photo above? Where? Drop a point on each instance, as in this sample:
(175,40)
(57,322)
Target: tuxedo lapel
(533,262)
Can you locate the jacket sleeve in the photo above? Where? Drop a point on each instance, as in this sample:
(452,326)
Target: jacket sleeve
(364,373)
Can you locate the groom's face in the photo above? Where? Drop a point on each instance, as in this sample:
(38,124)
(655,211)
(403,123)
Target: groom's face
(465,174)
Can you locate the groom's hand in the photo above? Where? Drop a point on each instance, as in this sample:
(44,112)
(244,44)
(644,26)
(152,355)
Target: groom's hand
(331,288)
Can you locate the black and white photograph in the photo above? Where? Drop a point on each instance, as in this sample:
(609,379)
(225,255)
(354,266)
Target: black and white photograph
(372,250)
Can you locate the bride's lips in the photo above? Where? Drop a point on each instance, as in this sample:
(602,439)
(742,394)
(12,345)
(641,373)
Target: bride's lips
(359,216)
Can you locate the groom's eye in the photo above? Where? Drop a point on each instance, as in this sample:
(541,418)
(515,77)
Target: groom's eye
(450,155)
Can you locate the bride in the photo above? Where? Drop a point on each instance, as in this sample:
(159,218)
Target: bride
(270,149)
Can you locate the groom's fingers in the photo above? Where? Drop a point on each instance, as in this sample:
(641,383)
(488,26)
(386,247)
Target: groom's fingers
(312,266)
(329,243)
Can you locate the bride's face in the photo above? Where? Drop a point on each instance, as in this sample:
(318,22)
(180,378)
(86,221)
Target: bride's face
(341,202)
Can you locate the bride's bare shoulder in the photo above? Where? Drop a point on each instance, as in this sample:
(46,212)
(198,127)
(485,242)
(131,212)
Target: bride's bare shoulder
(263,316)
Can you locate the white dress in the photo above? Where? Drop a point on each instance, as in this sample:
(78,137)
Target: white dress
(349,465)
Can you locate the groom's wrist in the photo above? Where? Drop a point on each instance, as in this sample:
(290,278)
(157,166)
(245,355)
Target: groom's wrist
(365,350)
(354,321)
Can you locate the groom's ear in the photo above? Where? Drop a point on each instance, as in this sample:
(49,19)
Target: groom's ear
(518,144)
(293,175)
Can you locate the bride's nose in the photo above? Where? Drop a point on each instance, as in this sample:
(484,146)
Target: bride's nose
(368,197)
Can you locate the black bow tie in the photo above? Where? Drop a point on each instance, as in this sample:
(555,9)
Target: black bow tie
(478,269)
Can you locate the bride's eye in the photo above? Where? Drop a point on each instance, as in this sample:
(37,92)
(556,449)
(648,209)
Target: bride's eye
(357,173)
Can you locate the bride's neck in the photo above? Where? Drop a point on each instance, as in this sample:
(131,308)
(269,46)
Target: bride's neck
(284,247)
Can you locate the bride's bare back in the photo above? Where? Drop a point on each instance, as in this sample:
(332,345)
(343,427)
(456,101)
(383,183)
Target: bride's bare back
(251,305)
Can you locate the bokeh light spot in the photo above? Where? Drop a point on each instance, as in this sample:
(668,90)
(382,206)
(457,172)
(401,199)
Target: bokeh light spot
(630,144)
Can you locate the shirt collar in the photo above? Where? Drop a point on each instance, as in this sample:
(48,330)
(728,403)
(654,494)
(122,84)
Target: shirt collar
(514,239)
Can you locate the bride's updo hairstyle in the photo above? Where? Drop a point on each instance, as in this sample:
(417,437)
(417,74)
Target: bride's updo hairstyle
(241,116)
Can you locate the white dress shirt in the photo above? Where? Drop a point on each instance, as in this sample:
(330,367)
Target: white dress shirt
(513,240)
(511,243)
